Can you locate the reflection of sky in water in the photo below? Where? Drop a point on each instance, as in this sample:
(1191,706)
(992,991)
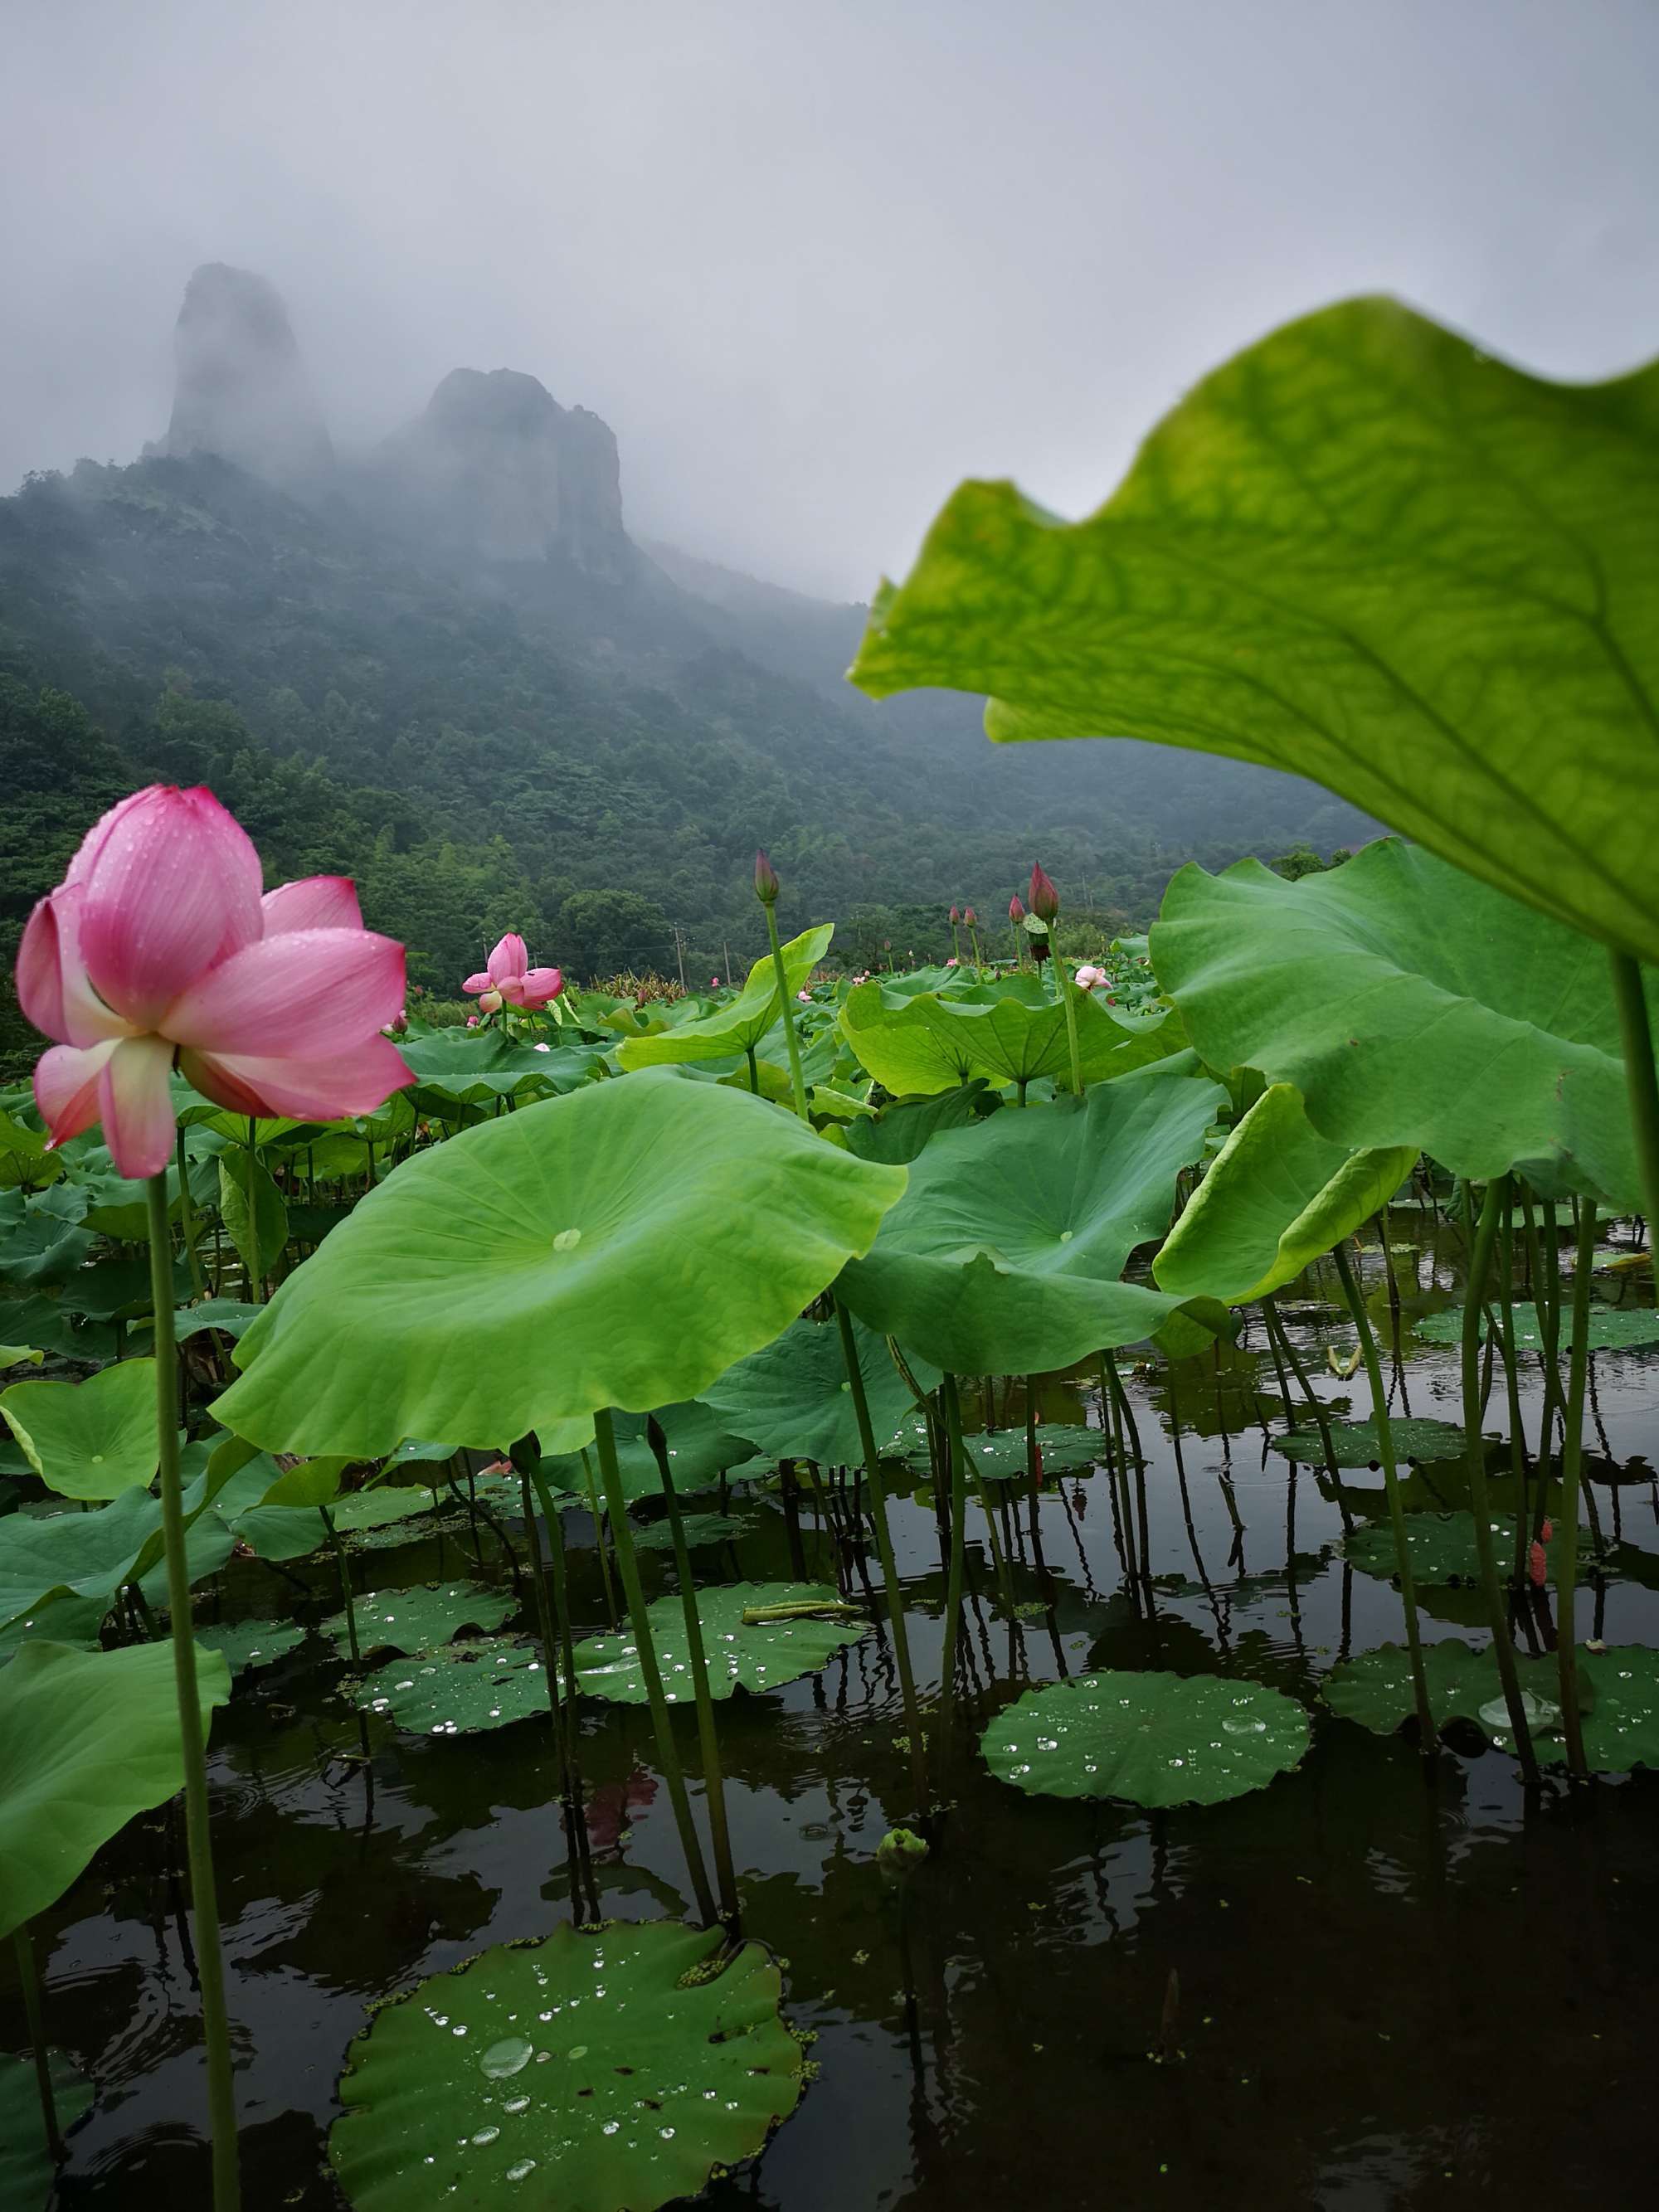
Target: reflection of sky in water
(1352,1950)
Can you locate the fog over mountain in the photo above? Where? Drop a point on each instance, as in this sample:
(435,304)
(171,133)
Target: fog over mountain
(811,264)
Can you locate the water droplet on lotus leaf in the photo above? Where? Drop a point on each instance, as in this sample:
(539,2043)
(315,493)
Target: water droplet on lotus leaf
(510,2055)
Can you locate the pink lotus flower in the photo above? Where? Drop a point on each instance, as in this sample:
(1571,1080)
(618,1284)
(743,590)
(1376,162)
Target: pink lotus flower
(157,949)
(1044,898)
(806,997)
(713,982)
(951,962)
(1090,979)
(507,977)
(472,1021)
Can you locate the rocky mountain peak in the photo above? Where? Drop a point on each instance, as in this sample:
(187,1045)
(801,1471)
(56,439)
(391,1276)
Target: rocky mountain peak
(241,390)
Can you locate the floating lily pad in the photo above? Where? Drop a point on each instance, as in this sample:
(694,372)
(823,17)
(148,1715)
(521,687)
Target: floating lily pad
(230,1317)
(26,2171)
(1155,1739)
(461,1689)
(1355,1444)
(792,1400)
(245,1644)
(1442,1547)
(421,1619)
(700,1529)
(609,2067)
(756,1657)
(1611,1328)
(1618,1699)
(74,1620)
(1000,1457)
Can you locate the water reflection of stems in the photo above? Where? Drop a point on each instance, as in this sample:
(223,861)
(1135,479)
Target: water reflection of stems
(628,1567)
(22,1941)
(957,1462)
(1496,1204)
(1427,1740)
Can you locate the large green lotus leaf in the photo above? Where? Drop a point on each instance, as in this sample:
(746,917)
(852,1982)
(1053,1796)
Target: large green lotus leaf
(1366,552)
(419,1618)
(1276,1196)
(1012,1031)
(45,1247)
(230,1317)
(900,1133)
(91,1554)
(654,1230)
(700,1445)
(245,1644)
(611,2068)
(1356,1443)
(293,1532)
(458,1689)
(1005,1254)
(91,1439)
(28,2174)
(1618,1697)
(1376,1688)
(738,1027)
(46,1322)
(697,1528)
(1410,1005)
(20,1355)
(755,1656)
(474,1064)
(793,1400)
(60,1620)
(1155,1739)
(1442,1547)
(87,1739)
(1621,1329)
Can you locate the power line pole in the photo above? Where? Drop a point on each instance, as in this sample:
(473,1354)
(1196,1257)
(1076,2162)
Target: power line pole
(726,948)
(679,955)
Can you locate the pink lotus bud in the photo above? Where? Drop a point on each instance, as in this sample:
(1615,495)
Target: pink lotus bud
(1088,979)
(1045,899)
(955,917)
(951,962)
(806,997)
(766,881)
(714,982)
(491,1002)
(157,951)
(1016,911)
(472,1021)
(971,917)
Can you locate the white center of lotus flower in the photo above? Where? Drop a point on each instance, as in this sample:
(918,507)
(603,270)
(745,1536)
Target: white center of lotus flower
(565,1238)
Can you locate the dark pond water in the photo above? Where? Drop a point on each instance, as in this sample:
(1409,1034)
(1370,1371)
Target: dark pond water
(1396,1987)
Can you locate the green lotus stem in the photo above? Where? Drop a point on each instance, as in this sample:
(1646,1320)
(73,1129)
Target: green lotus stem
(1512,1373)
(561,1591)
(1391,1483)
(567,1738)
(598,1541)
(254,1277)
(628,1567)
(187,1222)
(343,1570)
(884,1553)
(714,1775)
(797,1081)
(1641,1079)
(1497,1204)
(1572,1458)
(1120,1396)
(22,1943)
(958,1459)
(221,2095)
(754,1072)
(827,1608)
(1067,990)
(1546,1287)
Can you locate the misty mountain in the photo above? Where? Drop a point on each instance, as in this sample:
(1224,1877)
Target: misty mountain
(443,665)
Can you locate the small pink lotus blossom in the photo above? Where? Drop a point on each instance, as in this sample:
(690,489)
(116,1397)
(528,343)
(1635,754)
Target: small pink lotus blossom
(507,977)
(951,962)
(806,997)
(1090,979)
(157,949)
(713,982)
(541,1048)
(472,1021)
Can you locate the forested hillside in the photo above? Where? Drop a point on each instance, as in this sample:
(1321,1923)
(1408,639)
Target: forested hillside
(587,744)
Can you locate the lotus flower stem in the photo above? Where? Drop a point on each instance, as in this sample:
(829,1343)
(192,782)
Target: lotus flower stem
(1277,1332)
(714,1775)
(1067,990)
(797,1081)
(551,1620)
(525,1450)
(754,1072)
(1506,1347)
(221,2095)
(628,1567)
(894,1594)
(1641,1078)
(22,1941)
(343,1569)
(251,1261)
(1572,1457)
(957,1461)
(1496,1204)
(1427,1740)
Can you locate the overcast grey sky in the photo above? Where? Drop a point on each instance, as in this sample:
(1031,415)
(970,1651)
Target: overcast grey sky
(814,262)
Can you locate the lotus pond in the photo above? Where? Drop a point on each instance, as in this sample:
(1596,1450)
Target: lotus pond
(1028,1577)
